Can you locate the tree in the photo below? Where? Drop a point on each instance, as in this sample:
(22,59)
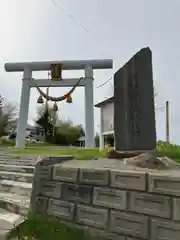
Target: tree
(1,103)
(81,130)
(97,140)
(45,120)
(8,115)
(67,133)
(56,130)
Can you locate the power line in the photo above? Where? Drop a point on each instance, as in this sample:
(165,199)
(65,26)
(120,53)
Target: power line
(77,22)
(70,16)
(104,83)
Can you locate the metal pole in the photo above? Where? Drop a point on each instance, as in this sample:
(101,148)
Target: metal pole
(167,121)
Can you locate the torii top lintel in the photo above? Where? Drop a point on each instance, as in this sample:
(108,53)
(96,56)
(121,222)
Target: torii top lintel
(67,65)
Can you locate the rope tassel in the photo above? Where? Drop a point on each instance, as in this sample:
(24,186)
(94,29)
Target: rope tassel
(69,99)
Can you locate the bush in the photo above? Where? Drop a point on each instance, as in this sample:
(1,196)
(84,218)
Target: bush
(4,141)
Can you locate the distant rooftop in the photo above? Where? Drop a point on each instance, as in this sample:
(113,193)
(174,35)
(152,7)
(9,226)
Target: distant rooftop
(108,100)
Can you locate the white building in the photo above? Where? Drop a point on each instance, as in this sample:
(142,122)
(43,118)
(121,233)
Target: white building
(106,121)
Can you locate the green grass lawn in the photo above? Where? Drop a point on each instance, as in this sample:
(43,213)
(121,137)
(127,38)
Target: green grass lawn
(46,228)
(44,149)
(77,153)
(36,149)
(169,150)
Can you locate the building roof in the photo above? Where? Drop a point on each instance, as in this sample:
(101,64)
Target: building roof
(108,100)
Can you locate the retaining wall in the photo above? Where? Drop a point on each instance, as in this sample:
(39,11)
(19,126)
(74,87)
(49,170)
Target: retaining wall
(118,204)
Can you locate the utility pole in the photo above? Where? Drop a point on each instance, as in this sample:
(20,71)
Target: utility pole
(167,121)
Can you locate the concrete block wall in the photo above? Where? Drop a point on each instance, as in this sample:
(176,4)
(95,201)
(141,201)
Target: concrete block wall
(116,204)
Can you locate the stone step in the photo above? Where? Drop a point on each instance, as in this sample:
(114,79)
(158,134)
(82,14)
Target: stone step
(14,203)
(19,188)
(17,168)
(5,153)
(17,176)
(17,162)
(27,157)
(6,157)
(9,156)
(8,221)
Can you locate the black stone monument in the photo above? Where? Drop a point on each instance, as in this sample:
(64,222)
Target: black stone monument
(134,112)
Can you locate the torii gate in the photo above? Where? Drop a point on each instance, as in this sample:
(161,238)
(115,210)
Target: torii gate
(28,81)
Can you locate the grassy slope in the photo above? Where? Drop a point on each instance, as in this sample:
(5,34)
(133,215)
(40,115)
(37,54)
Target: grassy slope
(78,153)
(46,228)
(169,150)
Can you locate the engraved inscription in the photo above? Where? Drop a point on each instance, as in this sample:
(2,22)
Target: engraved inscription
(133,93)
(134,112)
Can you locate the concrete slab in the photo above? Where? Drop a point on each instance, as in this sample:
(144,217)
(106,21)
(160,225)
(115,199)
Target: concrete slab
(14,203)
(9,220)
(113,164)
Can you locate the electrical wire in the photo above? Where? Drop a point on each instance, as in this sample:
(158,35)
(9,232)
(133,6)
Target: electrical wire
(101,85)
(84,28)
(70,16)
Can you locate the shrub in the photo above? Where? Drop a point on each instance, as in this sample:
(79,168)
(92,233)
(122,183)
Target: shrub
(6,142)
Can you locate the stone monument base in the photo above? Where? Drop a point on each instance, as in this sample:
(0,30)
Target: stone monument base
(115,154)
(144,159)
(151,161)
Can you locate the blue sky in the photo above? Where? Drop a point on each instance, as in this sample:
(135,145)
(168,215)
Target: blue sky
(39,30)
